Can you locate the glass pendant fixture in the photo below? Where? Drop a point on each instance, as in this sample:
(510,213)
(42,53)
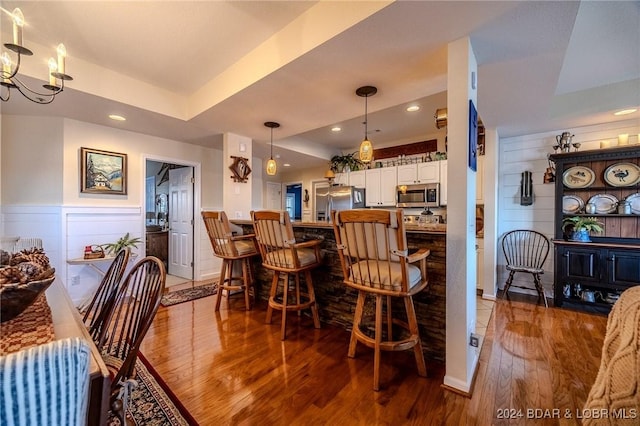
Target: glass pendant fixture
(366,148)
(271,164)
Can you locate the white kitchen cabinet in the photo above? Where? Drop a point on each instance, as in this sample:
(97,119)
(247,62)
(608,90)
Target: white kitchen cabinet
(381,187)
(357,179)
(341,179)
(443,182)
(480,180)
(409,174)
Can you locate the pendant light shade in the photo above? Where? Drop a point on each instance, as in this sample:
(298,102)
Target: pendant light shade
(271,164)
(366,148)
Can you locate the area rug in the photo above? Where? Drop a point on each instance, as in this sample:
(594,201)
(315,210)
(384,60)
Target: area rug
(152,403)
(188,294)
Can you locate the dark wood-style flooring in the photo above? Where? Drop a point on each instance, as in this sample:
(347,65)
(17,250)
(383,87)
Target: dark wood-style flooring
(231,368)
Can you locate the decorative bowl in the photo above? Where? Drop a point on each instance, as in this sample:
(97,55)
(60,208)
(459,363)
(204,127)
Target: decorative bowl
(16,297)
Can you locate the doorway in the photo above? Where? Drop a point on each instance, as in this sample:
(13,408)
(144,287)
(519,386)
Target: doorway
(169,212)
(293,200)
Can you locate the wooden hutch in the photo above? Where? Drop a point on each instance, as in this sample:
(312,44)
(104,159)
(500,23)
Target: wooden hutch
(593,274)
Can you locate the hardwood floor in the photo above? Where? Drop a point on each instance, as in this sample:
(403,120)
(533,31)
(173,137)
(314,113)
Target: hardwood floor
(231,368)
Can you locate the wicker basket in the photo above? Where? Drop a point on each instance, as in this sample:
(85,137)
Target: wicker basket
(96,252)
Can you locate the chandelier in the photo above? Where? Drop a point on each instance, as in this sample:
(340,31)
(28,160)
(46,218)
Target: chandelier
(9,78)
(271,164)
(366,149)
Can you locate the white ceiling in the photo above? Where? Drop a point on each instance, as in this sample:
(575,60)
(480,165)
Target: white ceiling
(191,71)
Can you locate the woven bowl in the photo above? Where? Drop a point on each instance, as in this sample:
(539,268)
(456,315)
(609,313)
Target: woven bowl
(16,297)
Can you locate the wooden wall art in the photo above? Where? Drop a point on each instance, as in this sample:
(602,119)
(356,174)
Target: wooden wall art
(240,169)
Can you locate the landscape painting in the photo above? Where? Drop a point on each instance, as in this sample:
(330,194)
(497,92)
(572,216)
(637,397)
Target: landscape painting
(103,172)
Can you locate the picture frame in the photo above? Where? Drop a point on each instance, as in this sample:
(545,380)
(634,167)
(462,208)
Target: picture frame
(103,172)
(473,137)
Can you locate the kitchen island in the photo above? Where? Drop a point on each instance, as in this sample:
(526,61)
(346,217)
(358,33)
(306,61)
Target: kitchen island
(336,301)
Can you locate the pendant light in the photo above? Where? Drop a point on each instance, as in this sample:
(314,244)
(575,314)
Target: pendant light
(366,149)
(271,164)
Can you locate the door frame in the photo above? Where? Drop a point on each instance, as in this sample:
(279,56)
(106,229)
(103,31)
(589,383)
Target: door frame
(197,204)
(315,185)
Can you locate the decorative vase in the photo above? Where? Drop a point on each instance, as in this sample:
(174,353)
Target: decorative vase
(581,235)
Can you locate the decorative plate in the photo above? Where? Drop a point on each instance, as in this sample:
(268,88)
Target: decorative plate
(622,174)
(578,177)
(605,203)
(572,204)
(634,200)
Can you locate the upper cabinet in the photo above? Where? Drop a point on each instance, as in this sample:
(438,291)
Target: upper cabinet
(428,172)
(341,179)
(357,179)
(381,187)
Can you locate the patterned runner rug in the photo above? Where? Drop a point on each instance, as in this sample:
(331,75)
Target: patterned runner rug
(188,294)
(152,402)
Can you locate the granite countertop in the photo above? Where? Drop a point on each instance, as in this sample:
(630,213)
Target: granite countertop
(431,228)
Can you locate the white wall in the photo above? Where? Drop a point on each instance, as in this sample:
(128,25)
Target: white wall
(529,152)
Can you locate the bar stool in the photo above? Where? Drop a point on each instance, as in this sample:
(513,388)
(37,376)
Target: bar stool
(372,247)
(283,255)
(230,249)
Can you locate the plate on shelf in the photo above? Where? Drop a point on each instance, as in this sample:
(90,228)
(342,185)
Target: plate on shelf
(572,204)
(605,203)
(578,177)
(622,174)
(634,200)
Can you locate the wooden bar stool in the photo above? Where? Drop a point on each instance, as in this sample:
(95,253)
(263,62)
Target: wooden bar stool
(373,252)
(230,249)
(283,255)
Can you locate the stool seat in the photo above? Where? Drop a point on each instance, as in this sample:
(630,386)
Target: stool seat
(230,249)
(284,256)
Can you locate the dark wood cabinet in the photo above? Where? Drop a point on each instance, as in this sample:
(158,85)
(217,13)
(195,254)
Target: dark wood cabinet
(158,245)
(595,273)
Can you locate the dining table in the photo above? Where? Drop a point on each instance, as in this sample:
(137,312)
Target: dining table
(51,317)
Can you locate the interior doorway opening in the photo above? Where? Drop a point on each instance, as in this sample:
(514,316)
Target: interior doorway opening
(293,200)
(165,211)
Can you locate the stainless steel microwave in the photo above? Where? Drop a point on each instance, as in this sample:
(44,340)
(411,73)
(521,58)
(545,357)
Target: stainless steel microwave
(424,195)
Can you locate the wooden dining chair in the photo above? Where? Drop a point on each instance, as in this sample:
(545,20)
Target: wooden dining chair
(102,302)
(373,253)
(231,249)
(133,311)
(282,254)
(525,251)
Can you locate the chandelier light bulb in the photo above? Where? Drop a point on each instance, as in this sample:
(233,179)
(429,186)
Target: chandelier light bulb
(6,67)
(271,167)
(53,66)
(18,23)
(62,54)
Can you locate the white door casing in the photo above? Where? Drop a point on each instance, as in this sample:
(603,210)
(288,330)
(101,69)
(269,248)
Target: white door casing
(181,222)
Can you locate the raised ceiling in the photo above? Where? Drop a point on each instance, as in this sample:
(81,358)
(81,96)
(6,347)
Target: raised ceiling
(191,71)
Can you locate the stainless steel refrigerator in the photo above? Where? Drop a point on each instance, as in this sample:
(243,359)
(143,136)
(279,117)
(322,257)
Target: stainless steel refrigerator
(337,198)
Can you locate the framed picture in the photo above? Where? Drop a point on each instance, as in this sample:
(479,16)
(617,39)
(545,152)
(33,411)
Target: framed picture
(473,136)
(103,172)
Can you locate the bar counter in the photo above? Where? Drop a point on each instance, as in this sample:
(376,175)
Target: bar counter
(336,301)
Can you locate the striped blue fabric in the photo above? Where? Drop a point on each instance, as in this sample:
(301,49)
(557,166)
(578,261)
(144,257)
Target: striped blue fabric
(45,385)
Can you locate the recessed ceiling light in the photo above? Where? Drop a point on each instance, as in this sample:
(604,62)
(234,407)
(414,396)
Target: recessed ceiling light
(336,129)
(117,117)
(625,111)
(287,165)
(413,108)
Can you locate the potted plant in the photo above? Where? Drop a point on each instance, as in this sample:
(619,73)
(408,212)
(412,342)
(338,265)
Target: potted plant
(345,163)
(579,227)
(125,241)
